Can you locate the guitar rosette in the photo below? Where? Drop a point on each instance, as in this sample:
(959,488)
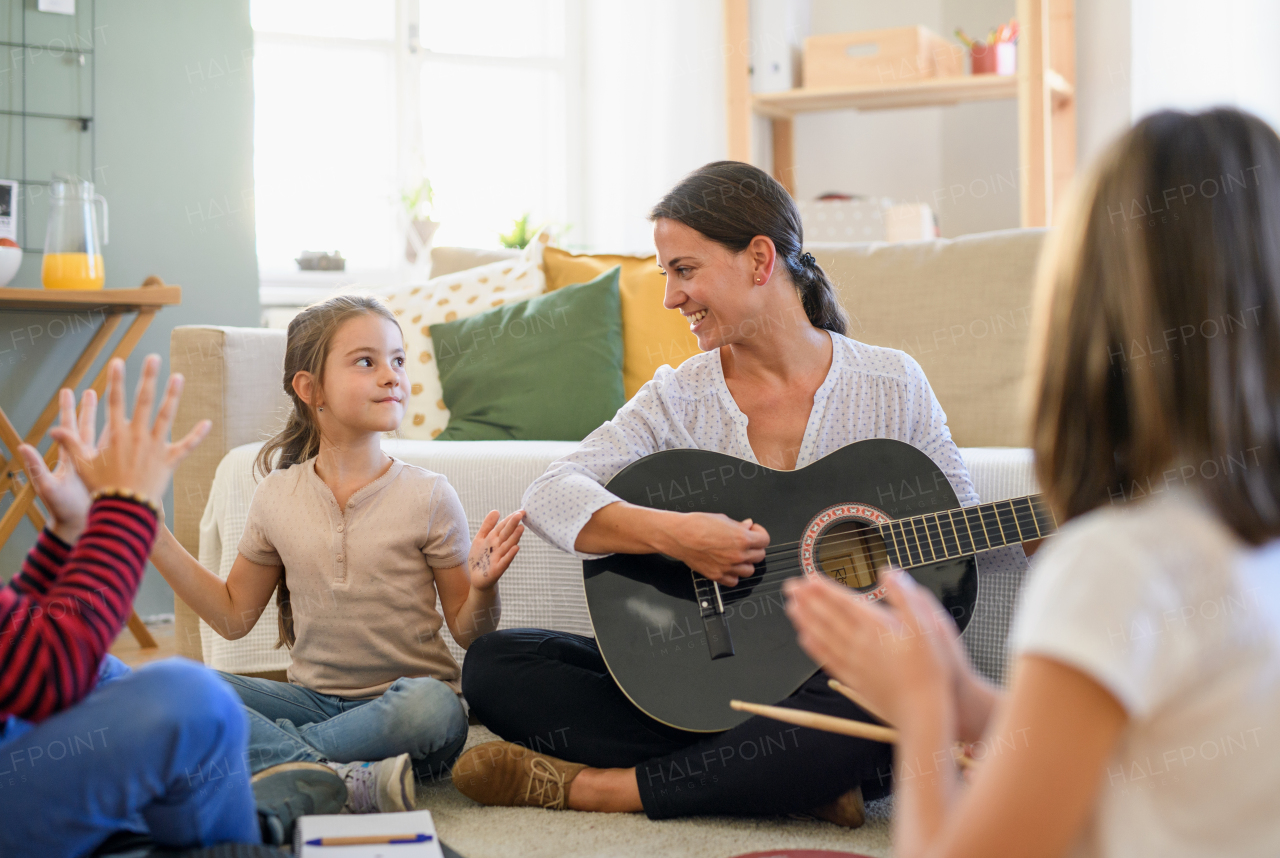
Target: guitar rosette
(843,542)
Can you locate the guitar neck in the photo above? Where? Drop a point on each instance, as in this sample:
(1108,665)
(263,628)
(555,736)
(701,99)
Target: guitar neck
(956,533)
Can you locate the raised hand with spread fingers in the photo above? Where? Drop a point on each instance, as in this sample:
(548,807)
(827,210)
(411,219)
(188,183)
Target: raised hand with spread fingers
(135,455)
(61,490)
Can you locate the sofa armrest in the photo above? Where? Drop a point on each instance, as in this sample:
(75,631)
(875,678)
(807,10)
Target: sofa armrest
(233,378)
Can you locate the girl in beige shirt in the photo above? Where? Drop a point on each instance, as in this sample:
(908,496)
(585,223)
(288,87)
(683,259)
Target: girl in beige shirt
(356,545)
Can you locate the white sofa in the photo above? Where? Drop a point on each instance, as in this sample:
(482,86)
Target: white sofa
(959,307)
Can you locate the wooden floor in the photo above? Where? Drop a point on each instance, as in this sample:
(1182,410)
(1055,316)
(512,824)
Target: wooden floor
(127,650)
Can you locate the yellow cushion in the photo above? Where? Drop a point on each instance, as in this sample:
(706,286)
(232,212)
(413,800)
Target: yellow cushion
(651,334)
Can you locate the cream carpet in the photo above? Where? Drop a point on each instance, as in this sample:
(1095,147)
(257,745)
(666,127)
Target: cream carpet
(503,832)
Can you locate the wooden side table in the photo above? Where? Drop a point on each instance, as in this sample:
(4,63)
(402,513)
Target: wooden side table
(110,306)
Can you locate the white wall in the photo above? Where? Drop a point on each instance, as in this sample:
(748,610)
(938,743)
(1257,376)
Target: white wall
(1104,35)
(653,110)
(1134,57)
(1192,54)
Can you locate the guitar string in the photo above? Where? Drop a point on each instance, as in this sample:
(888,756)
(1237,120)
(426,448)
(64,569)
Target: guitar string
(727,594)
(880,555)
(773,586)
(920,521)
(920,543)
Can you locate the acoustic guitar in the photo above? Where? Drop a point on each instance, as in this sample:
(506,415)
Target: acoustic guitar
(681,646)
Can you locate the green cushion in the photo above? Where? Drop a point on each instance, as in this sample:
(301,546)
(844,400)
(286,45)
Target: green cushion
(545,369)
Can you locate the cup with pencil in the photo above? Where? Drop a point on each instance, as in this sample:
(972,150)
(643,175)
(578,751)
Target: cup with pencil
(997,53)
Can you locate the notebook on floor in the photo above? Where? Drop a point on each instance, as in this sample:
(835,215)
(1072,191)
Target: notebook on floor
(404,835)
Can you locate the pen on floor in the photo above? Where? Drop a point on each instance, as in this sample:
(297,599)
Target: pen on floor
(370,839)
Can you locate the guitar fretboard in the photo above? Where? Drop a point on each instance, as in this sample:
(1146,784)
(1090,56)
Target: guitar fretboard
(955,533)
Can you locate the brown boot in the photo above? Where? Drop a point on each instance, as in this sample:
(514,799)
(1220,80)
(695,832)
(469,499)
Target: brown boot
(510,775)
(848,810)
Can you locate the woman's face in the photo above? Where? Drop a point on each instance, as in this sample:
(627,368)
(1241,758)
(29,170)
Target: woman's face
(715,289)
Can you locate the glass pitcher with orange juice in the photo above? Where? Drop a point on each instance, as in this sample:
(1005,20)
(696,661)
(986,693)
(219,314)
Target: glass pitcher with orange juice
(72,253)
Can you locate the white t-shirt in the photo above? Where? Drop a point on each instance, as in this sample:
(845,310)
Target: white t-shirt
(1163,606)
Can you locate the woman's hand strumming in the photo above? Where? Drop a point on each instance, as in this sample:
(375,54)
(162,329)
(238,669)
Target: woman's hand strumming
(719,548)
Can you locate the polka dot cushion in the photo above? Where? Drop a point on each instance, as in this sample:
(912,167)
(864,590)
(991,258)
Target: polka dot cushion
(445,299)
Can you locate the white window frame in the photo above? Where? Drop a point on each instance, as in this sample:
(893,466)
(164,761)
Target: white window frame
(295,288)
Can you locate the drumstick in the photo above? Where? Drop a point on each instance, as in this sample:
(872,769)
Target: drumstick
(830,724)
(961,757)
(858,699)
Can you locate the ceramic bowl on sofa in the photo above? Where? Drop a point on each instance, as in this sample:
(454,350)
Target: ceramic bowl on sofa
(10,259)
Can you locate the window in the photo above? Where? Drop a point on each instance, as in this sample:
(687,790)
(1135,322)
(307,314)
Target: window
(355,102)
(491,165)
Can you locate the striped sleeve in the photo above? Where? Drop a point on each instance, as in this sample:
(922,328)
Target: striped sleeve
(41,566)
(60,619)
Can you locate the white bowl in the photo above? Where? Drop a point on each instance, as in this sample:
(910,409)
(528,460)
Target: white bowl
(10,259)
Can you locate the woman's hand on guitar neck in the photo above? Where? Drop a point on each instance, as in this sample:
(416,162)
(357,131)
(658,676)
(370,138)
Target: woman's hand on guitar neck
(717,547)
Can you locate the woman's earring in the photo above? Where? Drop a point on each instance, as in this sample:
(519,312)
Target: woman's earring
(321,408)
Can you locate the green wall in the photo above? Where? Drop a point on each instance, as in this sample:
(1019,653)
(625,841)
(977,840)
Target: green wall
(174,158)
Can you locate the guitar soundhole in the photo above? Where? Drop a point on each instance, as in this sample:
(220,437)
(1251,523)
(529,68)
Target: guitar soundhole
(853,553)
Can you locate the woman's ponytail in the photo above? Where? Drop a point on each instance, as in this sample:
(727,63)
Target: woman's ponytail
(818,295)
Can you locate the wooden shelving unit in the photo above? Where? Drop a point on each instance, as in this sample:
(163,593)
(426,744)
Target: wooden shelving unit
(1044,88)
(926,93)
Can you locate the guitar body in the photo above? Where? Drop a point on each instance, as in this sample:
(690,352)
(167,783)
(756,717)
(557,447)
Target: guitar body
(648,611)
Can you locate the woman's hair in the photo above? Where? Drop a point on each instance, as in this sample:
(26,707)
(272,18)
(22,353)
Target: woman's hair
(731,203)
(1158,324)
(306,348)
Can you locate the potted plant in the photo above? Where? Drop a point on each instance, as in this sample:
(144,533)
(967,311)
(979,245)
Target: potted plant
(417,205)
(520,233)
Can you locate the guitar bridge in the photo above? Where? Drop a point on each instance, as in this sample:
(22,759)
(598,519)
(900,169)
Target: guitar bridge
(711,608)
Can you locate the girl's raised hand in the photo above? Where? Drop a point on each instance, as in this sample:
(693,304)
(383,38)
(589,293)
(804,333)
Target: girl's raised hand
(896,653)
(135,454)
(494,548)
(61,490)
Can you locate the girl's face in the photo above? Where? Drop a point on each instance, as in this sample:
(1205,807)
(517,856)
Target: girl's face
(365,383)
(715,289)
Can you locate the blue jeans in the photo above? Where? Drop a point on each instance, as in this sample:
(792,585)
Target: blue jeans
(289,723)
(160,750)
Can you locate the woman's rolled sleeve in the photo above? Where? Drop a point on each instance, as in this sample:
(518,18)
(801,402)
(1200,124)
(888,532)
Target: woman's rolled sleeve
(560,502)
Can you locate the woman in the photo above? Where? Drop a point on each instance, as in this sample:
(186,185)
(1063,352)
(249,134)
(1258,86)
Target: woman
(778,384)
(1142,719)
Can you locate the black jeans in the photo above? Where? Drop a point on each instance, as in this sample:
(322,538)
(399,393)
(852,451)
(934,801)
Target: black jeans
(551,692)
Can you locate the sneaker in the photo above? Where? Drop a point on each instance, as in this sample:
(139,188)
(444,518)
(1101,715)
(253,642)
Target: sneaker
(382,787)
(288,791)
(510,775)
